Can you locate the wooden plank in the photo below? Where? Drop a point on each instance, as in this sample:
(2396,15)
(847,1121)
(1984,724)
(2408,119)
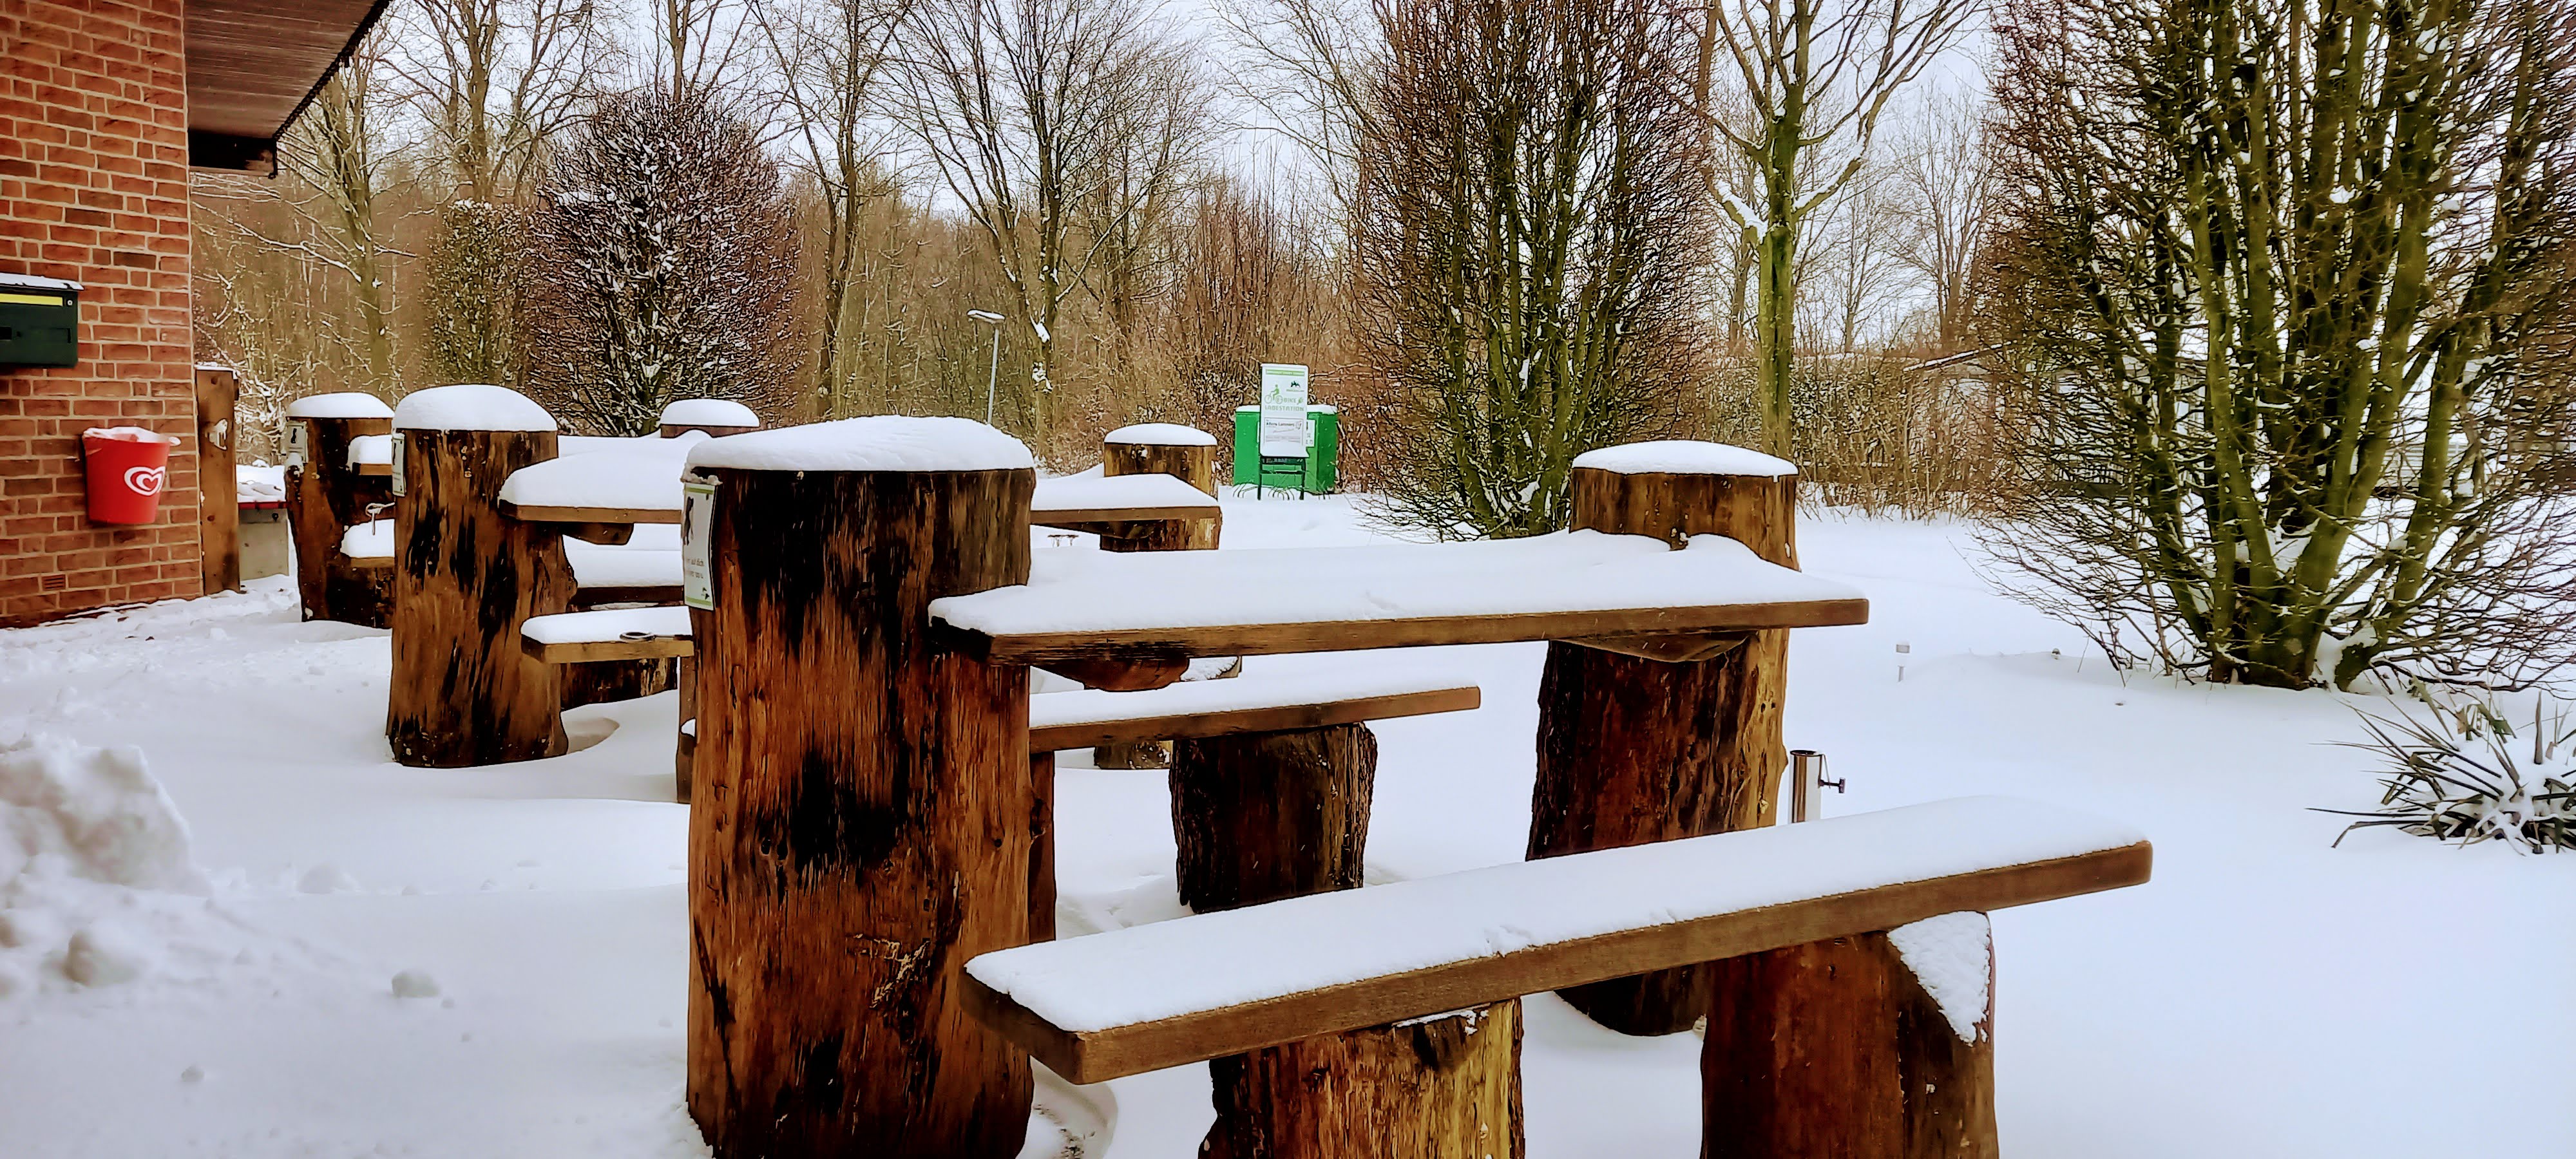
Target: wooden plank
(592,651)
(1267,718)
(1050,649)
(630,515)
(1137,1048)
(218,510)
(595,595)
(385,469)
(370,562)
(1063,516)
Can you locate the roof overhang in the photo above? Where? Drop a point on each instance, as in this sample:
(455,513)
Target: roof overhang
(254,64)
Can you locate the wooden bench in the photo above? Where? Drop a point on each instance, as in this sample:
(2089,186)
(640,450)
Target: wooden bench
(1265,977)
(1254,704)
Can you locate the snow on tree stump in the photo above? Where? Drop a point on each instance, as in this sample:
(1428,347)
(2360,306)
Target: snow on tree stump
(466,576)
(1838,1050)
(863,818)
(716,417)
(1263,816)
(1650,740)
(1187,454)
(325,496)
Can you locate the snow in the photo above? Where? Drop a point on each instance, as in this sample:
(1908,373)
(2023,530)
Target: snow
(627,566)
(1109,493)
(346,404)
(259,483)
(1214,961)
(1161,434)
(876,443)
(1190,698)
(643,475)
(1949,955)
(366,449)
(708,412)
(1581,571)
(608,624)
(33,282)
(370,540)
(2263,997)
(470,407)
(1683,457)
(96,876)
(128,435)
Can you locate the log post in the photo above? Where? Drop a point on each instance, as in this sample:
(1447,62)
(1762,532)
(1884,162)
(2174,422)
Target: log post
(606,681)
(218,486)
(863,818)
(716,417)
(1187,454)
(1264,816)
(325,496)
(1836,1050)
(466,576)
(1633,750)
(685,752)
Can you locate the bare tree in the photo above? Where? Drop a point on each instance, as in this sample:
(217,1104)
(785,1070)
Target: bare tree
(1531,234)
(1938,158)
(1856,273)
(494,80)
(699,46)
(1311,67)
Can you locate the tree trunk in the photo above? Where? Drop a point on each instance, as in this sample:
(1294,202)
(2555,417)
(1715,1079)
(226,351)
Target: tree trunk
(1833,1050)
(863,819)
(218,488)
(1268,815)
(324,498)
(1632,750)
(465,578)
(684,753)
(1196,466)
(607,681)
(1441,1088)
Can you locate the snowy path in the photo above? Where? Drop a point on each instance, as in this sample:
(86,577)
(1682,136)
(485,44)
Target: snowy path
(2265,996)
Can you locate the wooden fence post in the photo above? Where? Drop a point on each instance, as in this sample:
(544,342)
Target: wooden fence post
(1633,750)
(1187,454)
(1264,816)
(325,496)
(863,818)
(466,575)
(218,487)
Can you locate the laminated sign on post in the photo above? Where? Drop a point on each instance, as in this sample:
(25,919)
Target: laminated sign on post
(1284,430)
(398,463)
(299,441)
(697,523)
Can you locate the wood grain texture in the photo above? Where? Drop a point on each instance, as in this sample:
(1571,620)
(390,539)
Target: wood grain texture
(218,490)
(542,513)
(1444,1088)
(684,749)
(324,499)
(595,651)
(1633,750)
(465,579)
(1194,465)
(861,819)
(1266,718)
(1847,1057)
(1145,1046)
(611,681)
(1264,816)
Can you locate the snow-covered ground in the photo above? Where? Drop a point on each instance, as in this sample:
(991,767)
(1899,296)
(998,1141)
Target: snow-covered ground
(2265,996)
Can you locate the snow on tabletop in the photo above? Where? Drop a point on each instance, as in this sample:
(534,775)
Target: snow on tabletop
(470,407)
(346,404)
(259,483)
(1951,955)
(709,412)
(1213,961)
(875,443)
(129,435)
(1683,457)
(1112,492)
(594,566)
(367,449)
(607,624)
(1161,434)
(1194,698)
(638,475)
(1567,572)
(373,540)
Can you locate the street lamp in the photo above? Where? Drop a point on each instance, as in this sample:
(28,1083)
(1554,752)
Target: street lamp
(993,372)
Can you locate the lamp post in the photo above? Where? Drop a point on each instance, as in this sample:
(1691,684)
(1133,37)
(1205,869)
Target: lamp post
(992,372)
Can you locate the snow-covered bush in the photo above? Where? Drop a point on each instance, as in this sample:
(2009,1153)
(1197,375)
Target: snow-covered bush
(2457,778)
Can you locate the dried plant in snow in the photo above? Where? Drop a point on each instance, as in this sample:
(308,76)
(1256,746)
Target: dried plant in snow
(2458,778)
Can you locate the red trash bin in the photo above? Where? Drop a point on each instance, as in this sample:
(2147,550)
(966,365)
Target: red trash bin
(128,467)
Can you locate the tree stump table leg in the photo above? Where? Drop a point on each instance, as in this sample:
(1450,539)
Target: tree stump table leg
(1157,450)
(324,498)
(862,814)
(1632,750)
(1264,816)
(685,747)
(466,576)
(1835,1050)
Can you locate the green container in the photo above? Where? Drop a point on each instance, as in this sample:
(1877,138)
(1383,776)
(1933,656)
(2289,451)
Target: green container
(1318,473)
(39,322)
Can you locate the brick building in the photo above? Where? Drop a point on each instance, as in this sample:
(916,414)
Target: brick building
(104,106)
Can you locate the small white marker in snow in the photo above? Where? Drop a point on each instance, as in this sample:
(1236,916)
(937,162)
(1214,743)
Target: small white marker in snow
(1902,649)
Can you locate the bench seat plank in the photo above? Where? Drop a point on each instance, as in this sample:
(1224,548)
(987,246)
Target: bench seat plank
(1114,607)
(607,634)
(370,545)
(1151,996)
(1206,708)
(603,481)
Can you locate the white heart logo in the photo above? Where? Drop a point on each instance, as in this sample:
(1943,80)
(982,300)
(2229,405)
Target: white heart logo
(146,480)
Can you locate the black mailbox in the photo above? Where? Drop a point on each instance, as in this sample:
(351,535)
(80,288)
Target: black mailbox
(39,321)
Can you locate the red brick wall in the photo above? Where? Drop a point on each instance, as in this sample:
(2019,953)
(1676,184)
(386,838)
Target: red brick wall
(94,187)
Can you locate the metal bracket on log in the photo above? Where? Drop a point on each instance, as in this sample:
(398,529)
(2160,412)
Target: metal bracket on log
(1671,647)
